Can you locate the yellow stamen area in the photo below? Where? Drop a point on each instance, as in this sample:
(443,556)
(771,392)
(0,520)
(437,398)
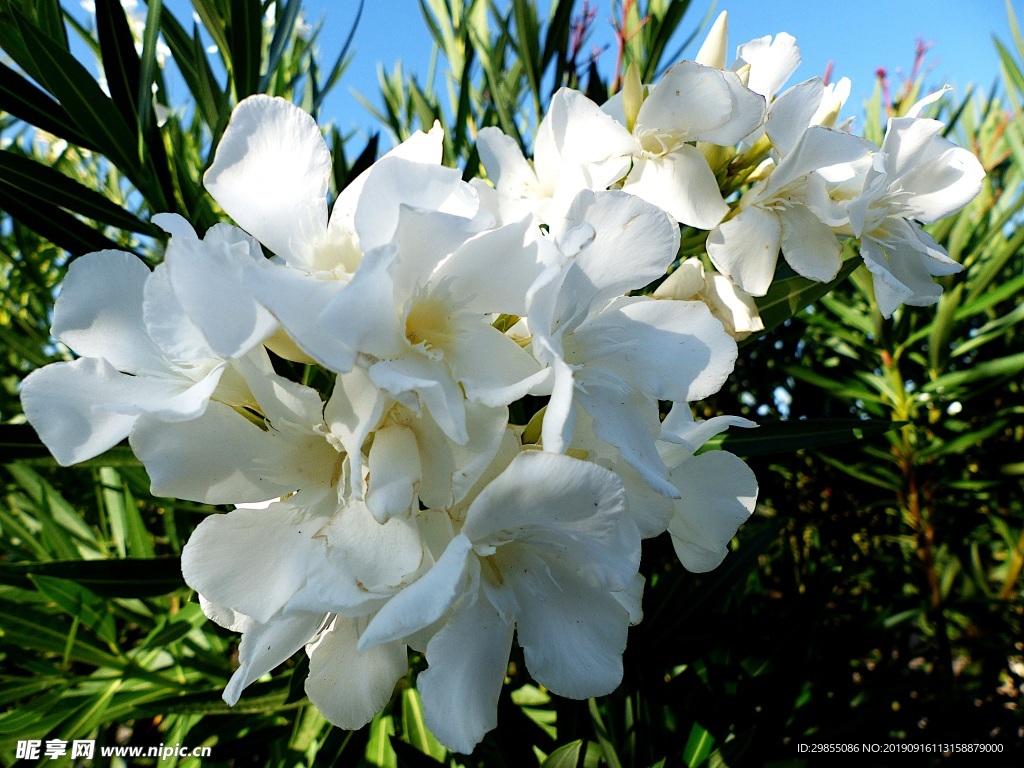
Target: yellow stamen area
(429,323)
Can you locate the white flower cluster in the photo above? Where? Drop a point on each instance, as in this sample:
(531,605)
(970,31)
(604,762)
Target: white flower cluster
(386,502)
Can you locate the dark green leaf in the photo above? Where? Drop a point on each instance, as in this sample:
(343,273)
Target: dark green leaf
(147,62)
(120,61)
(790,436)
(410,757)
(245,41)
(57,226)
(131,577)
(92,111)
(26,102)
(78,601)
(195,70)
(47,185)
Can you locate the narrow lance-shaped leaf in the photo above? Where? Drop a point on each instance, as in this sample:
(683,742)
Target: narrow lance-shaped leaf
(50,186)
(790,436)
(130,577)
(245,41)
(74,87)
(27,102)
(148,61)
(56,225)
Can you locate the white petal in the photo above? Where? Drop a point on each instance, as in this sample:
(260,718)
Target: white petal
(680,182)
(694,102)
(265,646)
(492,368)
(573,509)
(718,492)
(451,470)
(364,316)
(355,407)
(630,423)
(394,183)
(419,148)
(168,324)
(771,62)
(427,599)
(252,560)
(680,428)
(714,49)
(669,350)
(622,224)
(573,635)
(208,279)
(817,147)
(225,617)
(494,270)
(432,382)
(219,458)
(734,307)
(580,133)
(381,557)
(349,687)
(60,401)
(746,248)
(167,399)
(506,167)
(467,660)
(941,177)
(296,299)
(270,174)
(685,282)
(809,246)
(395,473)
(792,112)
(99,311)
(559,418)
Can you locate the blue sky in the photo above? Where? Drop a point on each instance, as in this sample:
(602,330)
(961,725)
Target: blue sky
(858,35)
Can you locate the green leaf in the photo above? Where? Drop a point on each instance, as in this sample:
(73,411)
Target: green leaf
(987,371)
(790,295)
(27,102)
(575,754)
(130,577)
(379,751)
(414,728)
(53,223)
(147,62)
(790,436)
(245,43)
(43,183)
(698,746)
(283,27)
(79,602)
(120,61)
(50,634)
(93,112)
(126,524)
(195,70)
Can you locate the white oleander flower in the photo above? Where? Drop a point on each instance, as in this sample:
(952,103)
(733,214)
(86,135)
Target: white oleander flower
(790,211)
(917,177)
(577,146)
(271,175)
(691,103)
(141,358)
(617,355)
(546,550)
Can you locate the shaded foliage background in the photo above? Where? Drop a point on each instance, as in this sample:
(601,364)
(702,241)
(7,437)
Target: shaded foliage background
(875,595)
